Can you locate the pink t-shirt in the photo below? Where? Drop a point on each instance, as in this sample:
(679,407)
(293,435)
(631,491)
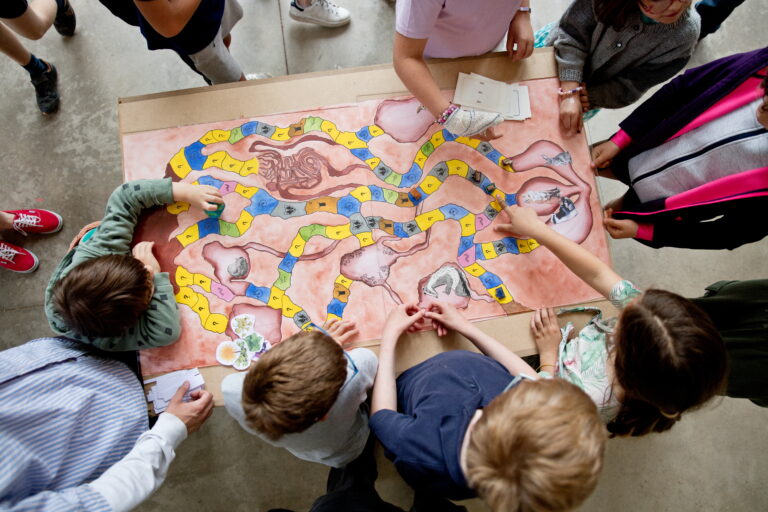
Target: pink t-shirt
(455,28)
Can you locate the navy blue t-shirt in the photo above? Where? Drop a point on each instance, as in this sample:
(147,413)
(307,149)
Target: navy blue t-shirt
(10,9)
(196,34)
(436,401)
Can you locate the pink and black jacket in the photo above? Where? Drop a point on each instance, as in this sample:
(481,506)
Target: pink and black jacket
(722,214)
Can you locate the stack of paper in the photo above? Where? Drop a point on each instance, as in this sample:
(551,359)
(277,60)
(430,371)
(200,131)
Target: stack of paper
(509,100)
(165,386)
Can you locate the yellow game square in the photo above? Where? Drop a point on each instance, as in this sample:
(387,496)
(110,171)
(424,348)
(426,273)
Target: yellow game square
(191,234)
(180,165)
(457,168)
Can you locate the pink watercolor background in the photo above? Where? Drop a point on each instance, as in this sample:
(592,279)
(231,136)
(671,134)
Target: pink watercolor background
(535,279)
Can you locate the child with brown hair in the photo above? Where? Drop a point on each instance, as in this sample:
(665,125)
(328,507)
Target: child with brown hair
(463,424)
(109,296)
(307,395)
(661,357)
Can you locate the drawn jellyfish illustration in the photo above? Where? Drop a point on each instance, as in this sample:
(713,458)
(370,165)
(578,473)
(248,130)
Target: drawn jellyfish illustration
(449,284)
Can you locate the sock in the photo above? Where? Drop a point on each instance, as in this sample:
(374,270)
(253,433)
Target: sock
(35,67)
(295,3)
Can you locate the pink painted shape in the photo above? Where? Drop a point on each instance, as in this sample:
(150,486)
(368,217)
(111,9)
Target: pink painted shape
(467,258)
(221,291)
(481,222)
(228,187)
(402,120)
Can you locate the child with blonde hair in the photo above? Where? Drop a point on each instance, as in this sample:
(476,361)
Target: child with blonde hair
(462,424)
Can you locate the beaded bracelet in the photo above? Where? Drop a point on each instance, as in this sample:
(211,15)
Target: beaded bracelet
(561,92)
(446,114)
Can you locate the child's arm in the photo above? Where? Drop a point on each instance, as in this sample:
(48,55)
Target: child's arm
(384,395)
(159,325)
(546,335)
(574,35)
(115,232)
(449,316)
(408,60)
(525,223)
(521,34)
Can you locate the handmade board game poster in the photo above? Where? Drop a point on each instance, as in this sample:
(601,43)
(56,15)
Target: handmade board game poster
(346,211)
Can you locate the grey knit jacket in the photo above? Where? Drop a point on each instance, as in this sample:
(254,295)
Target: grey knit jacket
(618,67)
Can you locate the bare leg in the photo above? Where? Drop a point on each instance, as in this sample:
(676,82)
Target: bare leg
(228,41)
(6,221)
(36,21)
(12,47)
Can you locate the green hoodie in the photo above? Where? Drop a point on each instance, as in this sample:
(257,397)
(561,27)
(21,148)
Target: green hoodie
(159,326)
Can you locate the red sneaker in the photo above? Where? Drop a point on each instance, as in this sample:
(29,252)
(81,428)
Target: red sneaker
(35,221)
(17,259)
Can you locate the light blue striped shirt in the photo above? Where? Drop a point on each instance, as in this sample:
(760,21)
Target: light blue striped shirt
(66,416)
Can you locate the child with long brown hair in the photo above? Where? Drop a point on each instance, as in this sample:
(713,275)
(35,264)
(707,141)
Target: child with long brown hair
(661,357)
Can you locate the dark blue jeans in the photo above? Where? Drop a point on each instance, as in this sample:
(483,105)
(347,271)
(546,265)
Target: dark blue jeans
(713,13)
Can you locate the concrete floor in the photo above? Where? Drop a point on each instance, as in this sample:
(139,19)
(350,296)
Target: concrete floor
(713,460)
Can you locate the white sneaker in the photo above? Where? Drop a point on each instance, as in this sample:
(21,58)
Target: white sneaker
(320,12)
(258,76)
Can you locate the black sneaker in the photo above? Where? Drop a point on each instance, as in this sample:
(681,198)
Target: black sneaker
(46,91)
(65,20)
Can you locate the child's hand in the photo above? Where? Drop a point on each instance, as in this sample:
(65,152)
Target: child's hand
(468,122)
(546,332)
(142,251)
(520,37)
(625,228)
(204,197)
(523,222)
(603,154)
(342,331)
(570,114)
(445,316)
(402,318)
